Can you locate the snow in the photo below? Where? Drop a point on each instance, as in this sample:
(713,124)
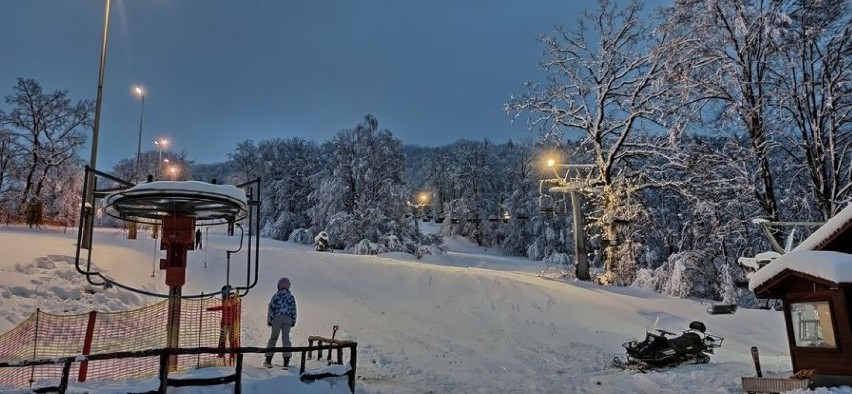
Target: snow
(829,265)
(759,260)
(828,231)
(462,321)
(230,191)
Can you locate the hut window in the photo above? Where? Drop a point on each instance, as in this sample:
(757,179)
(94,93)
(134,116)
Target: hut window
(812,326)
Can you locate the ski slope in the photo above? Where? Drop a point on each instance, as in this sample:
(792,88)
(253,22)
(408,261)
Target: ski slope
(468,321)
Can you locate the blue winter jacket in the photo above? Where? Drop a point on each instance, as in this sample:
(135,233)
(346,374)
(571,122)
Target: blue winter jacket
(282,304)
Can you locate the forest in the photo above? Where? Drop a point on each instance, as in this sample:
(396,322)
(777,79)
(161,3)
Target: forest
(691,121)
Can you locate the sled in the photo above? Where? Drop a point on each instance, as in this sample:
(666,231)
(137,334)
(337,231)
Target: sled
(773,385)
(722,309)
(310,376)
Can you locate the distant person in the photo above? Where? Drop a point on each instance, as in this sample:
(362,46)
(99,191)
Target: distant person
(198,239)
(230,322)
(281,317)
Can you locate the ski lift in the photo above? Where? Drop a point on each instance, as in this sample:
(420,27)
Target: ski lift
(439,219)
(454,221)
(179,207)
(493,219)
(474,220)
(773,231)
(545,204)
(560,206)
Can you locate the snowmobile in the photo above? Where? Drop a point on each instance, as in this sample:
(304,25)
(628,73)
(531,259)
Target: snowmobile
(321,242)
(660,350)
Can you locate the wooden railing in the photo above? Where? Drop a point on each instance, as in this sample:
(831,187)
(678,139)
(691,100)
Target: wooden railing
(165,353)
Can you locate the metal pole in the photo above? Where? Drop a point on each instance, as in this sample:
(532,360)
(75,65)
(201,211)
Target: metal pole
(159,161)
(90,185)
(139,141)
(173,324)
(579,239)
(156,258)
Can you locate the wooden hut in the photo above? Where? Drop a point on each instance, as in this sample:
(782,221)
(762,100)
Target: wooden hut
(814,281)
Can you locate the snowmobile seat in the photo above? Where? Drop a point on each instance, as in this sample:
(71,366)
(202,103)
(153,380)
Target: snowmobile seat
(687,342)
(698,326)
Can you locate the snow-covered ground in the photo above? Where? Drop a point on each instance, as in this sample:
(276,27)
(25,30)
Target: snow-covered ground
(468,321)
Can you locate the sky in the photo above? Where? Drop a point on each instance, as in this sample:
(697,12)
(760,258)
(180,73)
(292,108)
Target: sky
(218,72)
(464,321)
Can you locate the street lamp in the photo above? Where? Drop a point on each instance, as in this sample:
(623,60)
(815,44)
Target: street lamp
(140,93)
(422,201)
(173,170)
(161,144)
(86,241)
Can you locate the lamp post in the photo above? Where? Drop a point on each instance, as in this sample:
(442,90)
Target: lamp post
(161,144)
(577,211)
(140,93)
(89,222)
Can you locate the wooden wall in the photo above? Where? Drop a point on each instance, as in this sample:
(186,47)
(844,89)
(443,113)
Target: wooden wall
(827,361)
(843,242)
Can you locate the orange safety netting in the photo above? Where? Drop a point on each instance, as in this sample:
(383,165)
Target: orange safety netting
(44,336)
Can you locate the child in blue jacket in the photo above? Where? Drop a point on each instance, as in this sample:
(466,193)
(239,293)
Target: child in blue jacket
(281,317)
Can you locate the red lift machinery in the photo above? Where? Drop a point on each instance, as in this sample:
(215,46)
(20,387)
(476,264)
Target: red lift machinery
(179,207)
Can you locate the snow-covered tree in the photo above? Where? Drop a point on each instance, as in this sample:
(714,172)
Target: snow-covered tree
(10,166)
(49,130)
(812,88)
(287,185)
(360,195)
(285,167)
(718,55)
(601,83)
(473,174)
(245,158)
(518,191)
(63,191)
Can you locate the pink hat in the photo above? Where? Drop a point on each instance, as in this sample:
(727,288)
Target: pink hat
(283,283)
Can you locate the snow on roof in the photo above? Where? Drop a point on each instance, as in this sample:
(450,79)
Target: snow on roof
(229,191)
(209,204)
(832,266)
(828,231)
